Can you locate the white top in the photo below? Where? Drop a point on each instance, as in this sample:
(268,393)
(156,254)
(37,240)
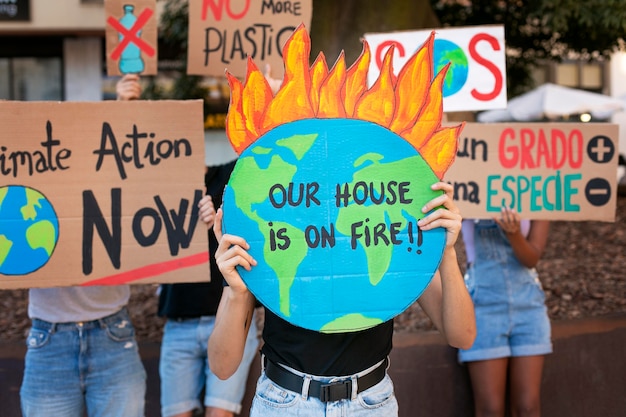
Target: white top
(73,304)
(467,229)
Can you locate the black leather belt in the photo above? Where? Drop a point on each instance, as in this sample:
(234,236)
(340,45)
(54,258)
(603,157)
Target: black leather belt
(326,392)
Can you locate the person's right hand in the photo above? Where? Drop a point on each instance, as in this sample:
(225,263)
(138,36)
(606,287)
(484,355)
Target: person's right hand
(232,251)
(274,83)
(128,87)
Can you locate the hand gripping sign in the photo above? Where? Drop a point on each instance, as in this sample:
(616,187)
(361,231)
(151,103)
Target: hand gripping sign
(329,184)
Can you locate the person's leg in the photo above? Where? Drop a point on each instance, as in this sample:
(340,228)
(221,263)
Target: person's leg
(51,384)
(488,378)
(114,375)
(217,412)
(525,379)
(181,368)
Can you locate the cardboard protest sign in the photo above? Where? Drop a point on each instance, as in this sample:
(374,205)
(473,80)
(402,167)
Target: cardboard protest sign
(330,182)
(552,171)
(131,37)
(476,79)
(223,34)
(101,193)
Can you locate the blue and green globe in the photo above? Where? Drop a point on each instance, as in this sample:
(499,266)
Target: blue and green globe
(444,52)
(330,210)
(29,230)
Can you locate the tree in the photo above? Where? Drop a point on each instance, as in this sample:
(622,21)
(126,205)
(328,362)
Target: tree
(173,45)
(539,30)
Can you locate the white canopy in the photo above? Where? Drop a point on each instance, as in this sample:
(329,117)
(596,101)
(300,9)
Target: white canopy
(552,101)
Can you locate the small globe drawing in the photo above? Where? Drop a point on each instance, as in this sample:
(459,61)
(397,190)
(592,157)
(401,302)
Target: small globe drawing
(29,230)
(445,51)
(298,196)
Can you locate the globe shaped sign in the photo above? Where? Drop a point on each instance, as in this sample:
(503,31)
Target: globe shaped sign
(330,210)
(29,230)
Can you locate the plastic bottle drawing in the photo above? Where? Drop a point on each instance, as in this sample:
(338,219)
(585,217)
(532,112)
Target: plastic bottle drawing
(130,60)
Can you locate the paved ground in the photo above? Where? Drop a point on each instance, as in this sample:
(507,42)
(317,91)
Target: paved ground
(585,376)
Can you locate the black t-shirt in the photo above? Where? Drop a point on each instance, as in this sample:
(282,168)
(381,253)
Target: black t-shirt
(191,300)
(325,354)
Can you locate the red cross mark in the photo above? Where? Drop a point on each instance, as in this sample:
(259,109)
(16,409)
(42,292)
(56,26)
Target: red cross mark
(130,35)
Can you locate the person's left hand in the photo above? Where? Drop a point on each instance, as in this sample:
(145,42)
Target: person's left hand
(509,221)
(207,211)
(446,215)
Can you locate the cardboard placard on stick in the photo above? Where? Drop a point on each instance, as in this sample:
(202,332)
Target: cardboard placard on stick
(223,34)
(552,171)
(131,37)
(101,193)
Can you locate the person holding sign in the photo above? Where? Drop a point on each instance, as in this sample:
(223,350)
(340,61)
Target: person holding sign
(190,312)
(82,354)
(512,321)
(308,372)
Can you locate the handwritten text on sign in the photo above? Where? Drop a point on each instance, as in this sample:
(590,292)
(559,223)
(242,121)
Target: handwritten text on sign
(360,193)
(554,171)
(223,33)
(101,193)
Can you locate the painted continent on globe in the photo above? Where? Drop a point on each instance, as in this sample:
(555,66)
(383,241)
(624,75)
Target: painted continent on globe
(333,254)
(330,183)
(29,230)
(448,52)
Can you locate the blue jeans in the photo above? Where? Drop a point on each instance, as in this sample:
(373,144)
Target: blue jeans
(273,400)
(184,368)
(91,366)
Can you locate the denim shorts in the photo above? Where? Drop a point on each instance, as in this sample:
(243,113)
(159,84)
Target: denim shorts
(271,400)
(511,315)
(90,366)
(185,372)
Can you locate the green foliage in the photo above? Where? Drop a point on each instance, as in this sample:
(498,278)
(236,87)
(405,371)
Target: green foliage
(591,27)
(173,40)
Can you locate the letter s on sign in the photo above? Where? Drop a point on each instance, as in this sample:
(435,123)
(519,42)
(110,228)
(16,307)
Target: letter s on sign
(497,88)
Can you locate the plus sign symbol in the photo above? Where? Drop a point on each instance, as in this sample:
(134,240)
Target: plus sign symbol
(601,150)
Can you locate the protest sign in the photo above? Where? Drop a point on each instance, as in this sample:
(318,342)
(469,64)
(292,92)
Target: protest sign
(131,37)
(476,79)
(224,33)
(330,183)
(101,193)
(552,171)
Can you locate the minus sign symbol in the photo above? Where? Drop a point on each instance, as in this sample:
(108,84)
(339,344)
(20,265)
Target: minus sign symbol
(598,191)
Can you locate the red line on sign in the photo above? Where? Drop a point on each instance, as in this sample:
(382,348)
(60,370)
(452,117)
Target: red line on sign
(131,35)
(151,270)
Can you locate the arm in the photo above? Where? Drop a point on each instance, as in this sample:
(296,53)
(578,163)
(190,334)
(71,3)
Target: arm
(528,250)
(446,300)
(234,314)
